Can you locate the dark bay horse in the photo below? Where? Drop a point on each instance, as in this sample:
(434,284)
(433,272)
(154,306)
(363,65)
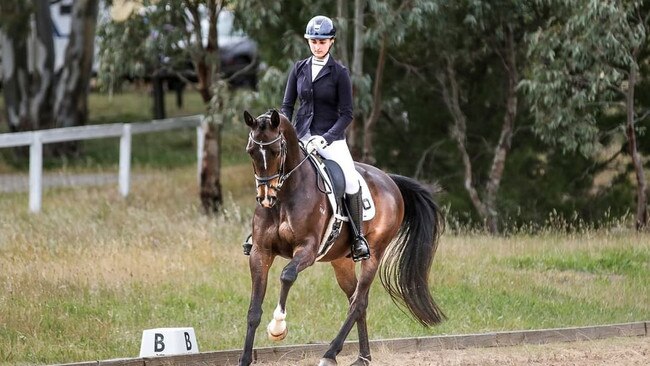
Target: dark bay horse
(290,221)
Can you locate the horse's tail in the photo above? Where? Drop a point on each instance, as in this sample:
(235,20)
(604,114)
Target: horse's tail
(405,268)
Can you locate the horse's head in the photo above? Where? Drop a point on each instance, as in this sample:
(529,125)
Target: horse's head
(268,149)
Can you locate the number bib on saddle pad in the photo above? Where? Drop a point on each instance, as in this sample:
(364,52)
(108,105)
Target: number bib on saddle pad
(334,186)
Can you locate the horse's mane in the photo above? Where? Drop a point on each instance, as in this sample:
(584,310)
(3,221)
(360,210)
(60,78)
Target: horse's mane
(285,125)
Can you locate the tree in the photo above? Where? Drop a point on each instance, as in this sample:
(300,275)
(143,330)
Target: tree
(586,62)
(171,31)
(71,97)
(27,90)
(478,40)
(35,96)
(393,21)
(73,80)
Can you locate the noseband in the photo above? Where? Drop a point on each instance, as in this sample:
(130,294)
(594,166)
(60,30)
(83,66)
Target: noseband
(282,177)
(265,181)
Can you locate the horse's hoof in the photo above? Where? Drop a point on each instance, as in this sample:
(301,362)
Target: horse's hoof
(361,361)
(277,337)
(327,362)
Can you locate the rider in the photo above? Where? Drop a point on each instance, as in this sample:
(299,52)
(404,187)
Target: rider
(325,110)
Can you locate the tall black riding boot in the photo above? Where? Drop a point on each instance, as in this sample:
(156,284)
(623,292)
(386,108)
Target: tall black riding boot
(360,249)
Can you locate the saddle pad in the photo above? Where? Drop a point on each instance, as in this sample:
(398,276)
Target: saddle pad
(367,201)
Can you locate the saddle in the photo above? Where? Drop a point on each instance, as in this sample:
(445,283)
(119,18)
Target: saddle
(333,182)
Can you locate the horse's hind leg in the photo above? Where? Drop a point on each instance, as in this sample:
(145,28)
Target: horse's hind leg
(347,280)
(302,258)
(357,293)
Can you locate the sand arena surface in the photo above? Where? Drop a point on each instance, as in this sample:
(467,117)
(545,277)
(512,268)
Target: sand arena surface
(607,352)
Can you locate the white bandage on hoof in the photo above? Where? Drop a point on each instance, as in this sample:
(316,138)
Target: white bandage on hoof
(277,328)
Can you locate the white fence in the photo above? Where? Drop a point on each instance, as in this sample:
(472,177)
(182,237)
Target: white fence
(36,139)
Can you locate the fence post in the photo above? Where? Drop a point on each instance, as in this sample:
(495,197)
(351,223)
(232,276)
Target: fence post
(199,150)
(35,173)
(125,159)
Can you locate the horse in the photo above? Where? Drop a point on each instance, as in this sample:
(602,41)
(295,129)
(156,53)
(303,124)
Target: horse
(290,221)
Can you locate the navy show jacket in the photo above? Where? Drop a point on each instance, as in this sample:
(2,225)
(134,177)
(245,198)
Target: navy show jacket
(325,106)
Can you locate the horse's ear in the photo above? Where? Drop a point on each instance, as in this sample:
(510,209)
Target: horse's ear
(250,120)
(275,119)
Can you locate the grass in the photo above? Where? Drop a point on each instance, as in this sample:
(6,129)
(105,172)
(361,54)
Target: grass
(81,280)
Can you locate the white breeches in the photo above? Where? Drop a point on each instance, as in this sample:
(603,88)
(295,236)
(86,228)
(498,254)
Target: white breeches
(340,153)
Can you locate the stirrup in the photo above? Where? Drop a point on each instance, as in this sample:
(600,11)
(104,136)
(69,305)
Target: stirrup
(248,244)
(365,251)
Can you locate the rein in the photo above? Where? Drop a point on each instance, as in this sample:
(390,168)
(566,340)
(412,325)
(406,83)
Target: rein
(282,177)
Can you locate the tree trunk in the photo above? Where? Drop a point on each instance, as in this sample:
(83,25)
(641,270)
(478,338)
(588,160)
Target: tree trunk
(207,67)
(71,100)
(641,186)
(354,131)
(343,31)
(368,148)
(16,83)
(505,140)
(451,97)
(211,195)
(42,83)
(28,69)
(158,95)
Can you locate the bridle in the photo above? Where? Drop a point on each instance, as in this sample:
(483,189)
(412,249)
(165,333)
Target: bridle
(282,177)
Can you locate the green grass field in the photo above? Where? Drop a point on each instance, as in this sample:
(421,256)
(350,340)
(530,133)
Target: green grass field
(82,279)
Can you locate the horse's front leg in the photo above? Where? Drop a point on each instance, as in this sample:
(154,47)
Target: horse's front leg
(259,263)
(303,257)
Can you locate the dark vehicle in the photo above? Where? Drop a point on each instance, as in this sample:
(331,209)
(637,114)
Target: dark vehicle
(238,54)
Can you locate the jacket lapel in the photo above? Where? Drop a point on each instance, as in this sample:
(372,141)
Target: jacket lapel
(308,71)
(325,70)
(304,74)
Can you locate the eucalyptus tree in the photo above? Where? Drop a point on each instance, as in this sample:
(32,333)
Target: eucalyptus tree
(473,40)
(27,64)
(71,93)
(363,26)
(585,65)
(36,97)
(153,37)
(392,22)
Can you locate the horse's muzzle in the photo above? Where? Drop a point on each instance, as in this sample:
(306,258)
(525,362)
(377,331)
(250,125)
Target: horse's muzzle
(267,201)
(267,194)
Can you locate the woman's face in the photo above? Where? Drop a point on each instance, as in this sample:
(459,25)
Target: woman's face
(320,47)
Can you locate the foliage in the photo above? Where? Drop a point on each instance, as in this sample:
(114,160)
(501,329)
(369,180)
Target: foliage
(148,41)
(582,58)
(543,173)
(14,16)
(279,27)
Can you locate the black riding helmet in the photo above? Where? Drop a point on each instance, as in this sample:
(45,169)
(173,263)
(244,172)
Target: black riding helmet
(320,27)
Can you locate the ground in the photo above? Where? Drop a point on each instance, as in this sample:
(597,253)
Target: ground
(609,352)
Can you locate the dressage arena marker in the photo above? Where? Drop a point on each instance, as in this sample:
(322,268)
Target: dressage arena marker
(168,342)
(402,345)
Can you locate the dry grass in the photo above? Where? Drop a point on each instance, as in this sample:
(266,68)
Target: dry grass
(82,279)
